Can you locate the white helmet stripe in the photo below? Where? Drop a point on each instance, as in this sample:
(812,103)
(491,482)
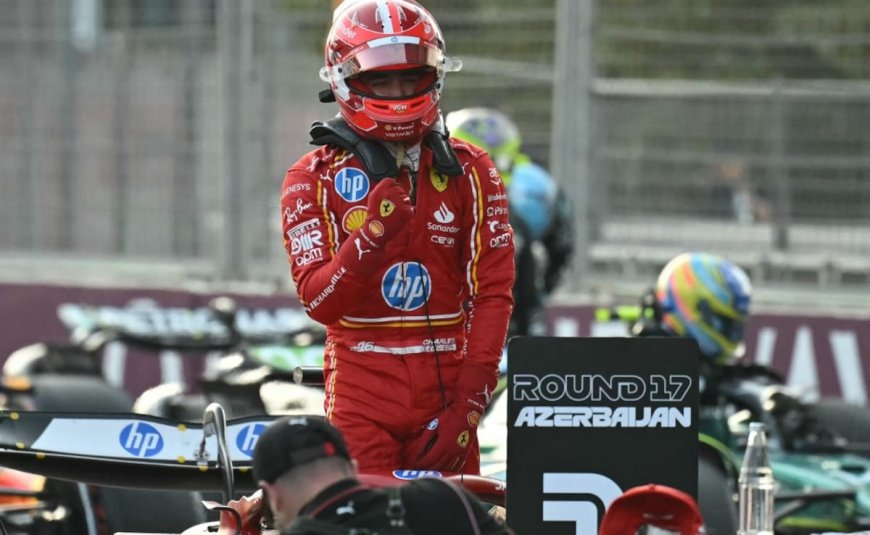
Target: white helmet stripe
(385,16)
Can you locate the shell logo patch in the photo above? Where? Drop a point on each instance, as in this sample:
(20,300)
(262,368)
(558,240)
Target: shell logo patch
(353,219)
(473,418)
(387,207)
(376,228)
(439,181)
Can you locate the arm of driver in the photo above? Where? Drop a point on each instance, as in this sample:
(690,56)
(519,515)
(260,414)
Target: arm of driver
(488,255)
(324,283)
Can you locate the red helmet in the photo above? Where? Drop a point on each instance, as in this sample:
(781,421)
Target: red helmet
(379,35)
(659,506)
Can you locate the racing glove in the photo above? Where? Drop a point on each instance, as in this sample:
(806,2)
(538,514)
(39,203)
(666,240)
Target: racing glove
(388,218)
(444,443)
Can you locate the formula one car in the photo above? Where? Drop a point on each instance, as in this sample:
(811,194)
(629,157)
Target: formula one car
(136,451)
(818,448)
(250,355)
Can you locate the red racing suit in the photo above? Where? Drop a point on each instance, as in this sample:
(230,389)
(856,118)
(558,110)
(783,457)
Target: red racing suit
(432,319)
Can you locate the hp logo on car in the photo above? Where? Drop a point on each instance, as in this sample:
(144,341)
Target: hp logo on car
(141,439)
(406,285)
(248,436)
(352,184)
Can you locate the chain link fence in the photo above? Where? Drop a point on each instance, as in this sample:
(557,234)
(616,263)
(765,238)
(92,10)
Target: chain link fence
(148,138)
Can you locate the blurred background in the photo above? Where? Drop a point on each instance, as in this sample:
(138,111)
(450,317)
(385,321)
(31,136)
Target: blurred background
(145,141)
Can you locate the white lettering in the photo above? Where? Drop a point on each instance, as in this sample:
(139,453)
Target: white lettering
(502,240)
(442,228)
(291,215)
(306,242)
(295,188)
(496,210)
(445,241)
(602,417)
(596,387)
(328,290)
(308,257)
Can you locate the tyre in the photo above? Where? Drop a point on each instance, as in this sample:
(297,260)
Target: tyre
(716,498)
(847,420)
(120,509)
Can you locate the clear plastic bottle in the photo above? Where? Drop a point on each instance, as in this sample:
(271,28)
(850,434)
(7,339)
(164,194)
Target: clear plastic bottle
(756,486)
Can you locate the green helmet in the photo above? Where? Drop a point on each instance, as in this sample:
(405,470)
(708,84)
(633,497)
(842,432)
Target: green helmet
(491,130)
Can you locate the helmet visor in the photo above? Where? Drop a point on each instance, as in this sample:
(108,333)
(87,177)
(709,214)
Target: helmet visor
(731,328)
(391,55)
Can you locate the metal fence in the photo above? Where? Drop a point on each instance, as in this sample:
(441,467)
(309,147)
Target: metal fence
(148,139)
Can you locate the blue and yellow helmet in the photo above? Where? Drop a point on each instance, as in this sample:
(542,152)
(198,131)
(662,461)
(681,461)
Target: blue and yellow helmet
(705,297)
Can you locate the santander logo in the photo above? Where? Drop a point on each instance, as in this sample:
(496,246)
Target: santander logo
(443,215)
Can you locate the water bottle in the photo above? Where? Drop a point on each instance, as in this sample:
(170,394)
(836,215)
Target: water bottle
(756,486)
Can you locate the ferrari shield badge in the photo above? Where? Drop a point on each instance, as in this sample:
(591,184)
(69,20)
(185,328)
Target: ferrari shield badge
(439,181)
(387,208)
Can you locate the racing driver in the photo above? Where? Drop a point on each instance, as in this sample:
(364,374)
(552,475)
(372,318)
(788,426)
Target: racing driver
(399,242)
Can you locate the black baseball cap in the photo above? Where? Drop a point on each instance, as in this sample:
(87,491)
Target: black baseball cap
(293,441)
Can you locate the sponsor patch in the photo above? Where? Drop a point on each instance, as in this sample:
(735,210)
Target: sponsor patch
(443,241)
(306,257)
(291,214)
(329,288)
(248,436)
(494,177)
(433,425)
(406,285)
(360,249)
(408,475)
(443,214)
(305,241)
(376,228)
(502,240)
(353,219)
(303,228)
(473,418)
(441,228)
(462,439)
(496,225)
(386,208)
(351,184)
(295,188)
(439,181)
(141,440)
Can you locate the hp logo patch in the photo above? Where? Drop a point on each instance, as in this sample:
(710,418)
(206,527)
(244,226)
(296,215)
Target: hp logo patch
(141,439)
(352,184)
(406,285)
(409,475)
(248,436)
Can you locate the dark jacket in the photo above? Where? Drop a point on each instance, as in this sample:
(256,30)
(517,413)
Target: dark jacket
(426,506)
